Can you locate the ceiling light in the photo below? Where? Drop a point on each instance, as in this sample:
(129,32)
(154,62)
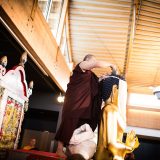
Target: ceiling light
(60,98)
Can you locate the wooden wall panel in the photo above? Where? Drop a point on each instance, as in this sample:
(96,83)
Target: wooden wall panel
(143,117)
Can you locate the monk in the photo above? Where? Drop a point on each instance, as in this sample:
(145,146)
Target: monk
(31,145)
(82,101)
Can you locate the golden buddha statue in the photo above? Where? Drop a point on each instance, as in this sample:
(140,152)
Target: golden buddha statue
(112,126)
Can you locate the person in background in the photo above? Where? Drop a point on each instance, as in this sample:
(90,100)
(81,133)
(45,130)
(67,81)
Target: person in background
(83,142)
(82,102)
(31,145)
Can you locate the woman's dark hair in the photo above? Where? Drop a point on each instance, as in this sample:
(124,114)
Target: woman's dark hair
(75,157)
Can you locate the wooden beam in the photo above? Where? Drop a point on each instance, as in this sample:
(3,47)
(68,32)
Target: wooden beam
(131,34)
(1,2)
(100,5)
(103,2)
(68,38)
(62,22)
(36,37)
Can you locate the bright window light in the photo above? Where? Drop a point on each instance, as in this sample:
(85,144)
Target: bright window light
(143,100)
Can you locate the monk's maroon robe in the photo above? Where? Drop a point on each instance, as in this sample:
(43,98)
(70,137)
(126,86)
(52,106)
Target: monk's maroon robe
(82,103)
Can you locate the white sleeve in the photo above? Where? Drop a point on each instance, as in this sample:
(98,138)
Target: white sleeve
(81,134)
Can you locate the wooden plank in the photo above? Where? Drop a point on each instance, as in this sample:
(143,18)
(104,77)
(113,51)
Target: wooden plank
(148,42)
(151,47)
(147,51)
(116,57)
(145,62)
(148,18)
(96,39)
(111,30)
(140,90)
(99,17)
(98,20)
(98,11)
(113,49)
(147,38)
(102,24)
(68,38)
(143,118)
(97,43)
(144,65)
(140,83)
(150,29)
(107,47)
(149,8)
(140,74)
(140,70)
(99,35)
(148,56)
(135,82)
(99,28)
(101,52)
(129,43)
(106,2)
(143,108)
(106,6)
(150,14)
(151,4)
(148,23)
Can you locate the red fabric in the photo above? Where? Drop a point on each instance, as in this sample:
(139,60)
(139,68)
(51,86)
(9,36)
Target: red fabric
(81,89)
(81,104)
(40,155)
(37,157)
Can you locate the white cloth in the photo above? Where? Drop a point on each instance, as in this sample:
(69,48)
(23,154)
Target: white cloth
(83,141)
(122,99)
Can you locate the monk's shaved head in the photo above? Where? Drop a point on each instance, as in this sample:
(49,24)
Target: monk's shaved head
(88,57)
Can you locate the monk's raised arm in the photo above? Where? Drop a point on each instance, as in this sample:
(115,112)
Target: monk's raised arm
(88,65)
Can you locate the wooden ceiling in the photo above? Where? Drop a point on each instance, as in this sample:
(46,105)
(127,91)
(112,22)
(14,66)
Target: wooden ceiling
(103,28)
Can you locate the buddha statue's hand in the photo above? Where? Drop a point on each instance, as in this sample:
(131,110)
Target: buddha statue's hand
(128,148)
(132,140)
